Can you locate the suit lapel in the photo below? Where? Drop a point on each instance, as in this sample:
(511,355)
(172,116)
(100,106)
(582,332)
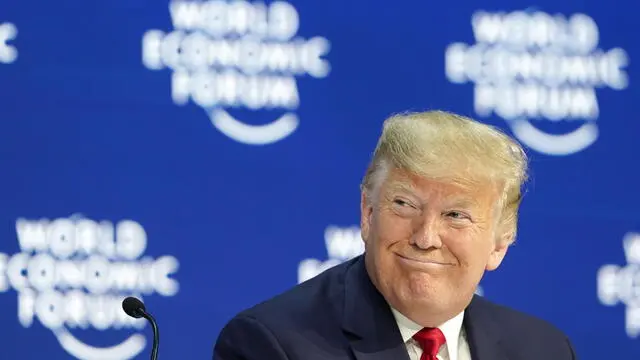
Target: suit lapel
(483,332)
(367,319)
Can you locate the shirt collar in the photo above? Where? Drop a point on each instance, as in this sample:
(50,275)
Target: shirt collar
(451,330)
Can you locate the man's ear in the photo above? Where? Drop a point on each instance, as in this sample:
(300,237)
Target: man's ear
(497,255)
(499,250)
(366,211)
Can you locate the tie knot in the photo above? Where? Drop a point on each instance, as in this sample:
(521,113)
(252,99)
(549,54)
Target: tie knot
(430,340)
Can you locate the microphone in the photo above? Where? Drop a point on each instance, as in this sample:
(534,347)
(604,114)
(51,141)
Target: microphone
(135,308)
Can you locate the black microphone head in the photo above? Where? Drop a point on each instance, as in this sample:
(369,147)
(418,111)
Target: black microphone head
(133,307)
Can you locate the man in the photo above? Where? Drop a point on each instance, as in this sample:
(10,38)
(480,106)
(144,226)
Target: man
(439,206)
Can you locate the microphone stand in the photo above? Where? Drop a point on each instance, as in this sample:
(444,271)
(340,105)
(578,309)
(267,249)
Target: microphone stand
(156,333)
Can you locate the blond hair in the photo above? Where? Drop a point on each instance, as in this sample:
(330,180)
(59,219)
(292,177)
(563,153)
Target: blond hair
(449,147)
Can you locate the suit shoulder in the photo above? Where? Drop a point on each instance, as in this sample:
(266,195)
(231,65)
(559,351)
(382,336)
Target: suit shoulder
(523,335)
(292,321)
(318,295)
(519,321)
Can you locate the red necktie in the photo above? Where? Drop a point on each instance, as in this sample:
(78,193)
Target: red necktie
(430,340)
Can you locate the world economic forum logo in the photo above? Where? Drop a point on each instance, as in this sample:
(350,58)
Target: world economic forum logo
(234,55)
(621,284)
(73,273)
(342,244)
(539,72)
(8,52)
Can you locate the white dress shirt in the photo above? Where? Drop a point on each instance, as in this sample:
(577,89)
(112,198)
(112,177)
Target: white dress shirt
(456,347)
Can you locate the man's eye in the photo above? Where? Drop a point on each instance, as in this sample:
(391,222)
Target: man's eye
(457,215)
(401,202)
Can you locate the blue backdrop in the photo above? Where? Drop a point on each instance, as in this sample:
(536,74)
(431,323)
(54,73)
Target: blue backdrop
(206,155)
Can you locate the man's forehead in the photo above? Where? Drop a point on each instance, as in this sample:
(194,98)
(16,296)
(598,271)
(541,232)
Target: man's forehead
(401,185)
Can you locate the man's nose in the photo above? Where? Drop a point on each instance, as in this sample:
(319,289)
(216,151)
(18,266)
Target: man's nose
(427,233)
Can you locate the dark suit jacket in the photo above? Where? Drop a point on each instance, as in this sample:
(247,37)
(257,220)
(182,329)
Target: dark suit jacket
(340,315)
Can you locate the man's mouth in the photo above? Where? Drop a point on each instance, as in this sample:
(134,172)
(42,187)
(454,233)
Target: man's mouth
(427,263)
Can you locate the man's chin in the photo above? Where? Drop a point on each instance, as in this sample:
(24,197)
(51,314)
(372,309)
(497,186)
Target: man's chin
(424,306)
(421,295)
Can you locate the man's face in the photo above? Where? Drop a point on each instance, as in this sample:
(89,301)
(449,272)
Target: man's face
(428,243)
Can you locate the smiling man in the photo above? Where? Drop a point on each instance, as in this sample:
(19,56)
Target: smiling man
(439,207)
